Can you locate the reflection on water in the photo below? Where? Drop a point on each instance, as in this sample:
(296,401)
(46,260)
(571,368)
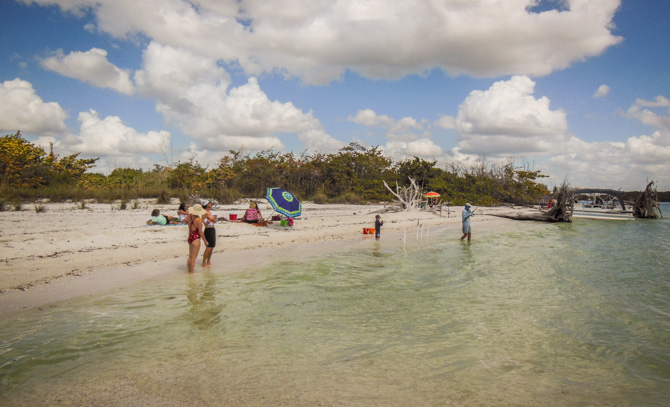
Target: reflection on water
(203,311)
(573,314)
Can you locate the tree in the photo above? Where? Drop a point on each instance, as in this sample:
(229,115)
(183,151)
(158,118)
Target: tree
(93,181)
(409,197)
(69,169)
(125,178)
(21,162)
(423,172)
(357,169)
(25,165)
(189,175)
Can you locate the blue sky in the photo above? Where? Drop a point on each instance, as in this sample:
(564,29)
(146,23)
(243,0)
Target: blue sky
(578,89)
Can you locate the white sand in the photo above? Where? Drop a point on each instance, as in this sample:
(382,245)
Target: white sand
(66,251)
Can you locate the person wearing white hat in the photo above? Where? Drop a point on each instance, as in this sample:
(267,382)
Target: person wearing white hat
(467,230)
(195,233)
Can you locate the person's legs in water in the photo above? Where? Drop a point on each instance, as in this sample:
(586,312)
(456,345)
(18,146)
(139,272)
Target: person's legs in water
(210,235)
(467,232)
(193,250)
(207,257)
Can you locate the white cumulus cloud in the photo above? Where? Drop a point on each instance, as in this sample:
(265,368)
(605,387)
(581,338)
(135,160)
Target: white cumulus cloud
(507,119)
(603,90)
(621,164)
(195,94)
(406,137)
(654,149)
(91,67)
(403,127)
(319,41)
(22,109)
(109,136)
(650,118)
(446,122)
(422,148)
(660,101)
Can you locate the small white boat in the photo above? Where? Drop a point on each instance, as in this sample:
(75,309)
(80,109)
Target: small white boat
(601,205)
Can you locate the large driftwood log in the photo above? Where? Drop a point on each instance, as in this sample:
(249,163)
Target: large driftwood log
(646,204)
(559,212)
(409,197)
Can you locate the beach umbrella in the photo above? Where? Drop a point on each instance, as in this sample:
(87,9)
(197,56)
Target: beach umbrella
(284,202)
(431,195)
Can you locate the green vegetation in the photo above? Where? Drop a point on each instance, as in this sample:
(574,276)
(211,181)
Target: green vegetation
(352,175)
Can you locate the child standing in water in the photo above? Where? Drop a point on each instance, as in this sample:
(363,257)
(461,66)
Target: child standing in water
(378,227)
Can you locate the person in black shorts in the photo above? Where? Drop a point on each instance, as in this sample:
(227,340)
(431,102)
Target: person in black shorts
(210,234)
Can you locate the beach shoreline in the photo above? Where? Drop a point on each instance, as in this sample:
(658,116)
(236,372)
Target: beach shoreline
(66,251)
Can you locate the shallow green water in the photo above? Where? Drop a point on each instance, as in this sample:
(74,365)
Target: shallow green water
(570,314)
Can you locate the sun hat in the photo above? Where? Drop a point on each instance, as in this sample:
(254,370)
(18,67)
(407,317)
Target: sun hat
(467,205)
(197,210)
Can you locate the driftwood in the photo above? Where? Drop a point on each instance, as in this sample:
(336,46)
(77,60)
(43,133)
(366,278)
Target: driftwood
(409,197)
(561,211)
(645,205)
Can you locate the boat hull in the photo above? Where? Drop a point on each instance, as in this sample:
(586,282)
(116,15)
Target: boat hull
(604,214)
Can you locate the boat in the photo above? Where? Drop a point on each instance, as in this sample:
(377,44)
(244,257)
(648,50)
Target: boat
(601,204)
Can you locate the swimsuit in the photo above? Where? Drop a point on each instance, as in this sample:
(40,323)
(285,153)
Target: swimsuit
(210,233)
(252,216)
(193,234)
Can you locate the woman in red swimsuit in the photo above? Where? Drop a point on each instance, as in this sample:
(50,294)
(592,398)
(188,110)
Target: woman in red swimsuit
(195,233)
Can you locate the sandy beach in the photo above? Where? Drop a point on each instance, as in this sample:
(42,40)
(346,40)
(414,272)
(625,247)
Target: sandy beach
(67,251)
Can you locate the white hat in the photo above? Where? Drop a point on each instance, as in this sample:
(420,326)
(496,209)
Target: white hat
(197,210)
(467,205)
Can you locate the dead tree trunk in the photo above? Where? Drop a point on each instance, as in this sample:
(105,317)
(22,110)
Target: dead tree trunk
(408,196)
(565,204)
(559,212)
(646,203)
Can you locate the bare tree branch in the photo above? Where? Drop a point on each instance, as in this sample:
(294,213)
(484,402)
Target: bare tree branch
(409,197)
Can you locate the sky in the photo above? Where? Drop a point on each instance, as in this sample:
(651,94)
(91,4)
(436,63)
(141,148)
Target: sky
(576,89)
